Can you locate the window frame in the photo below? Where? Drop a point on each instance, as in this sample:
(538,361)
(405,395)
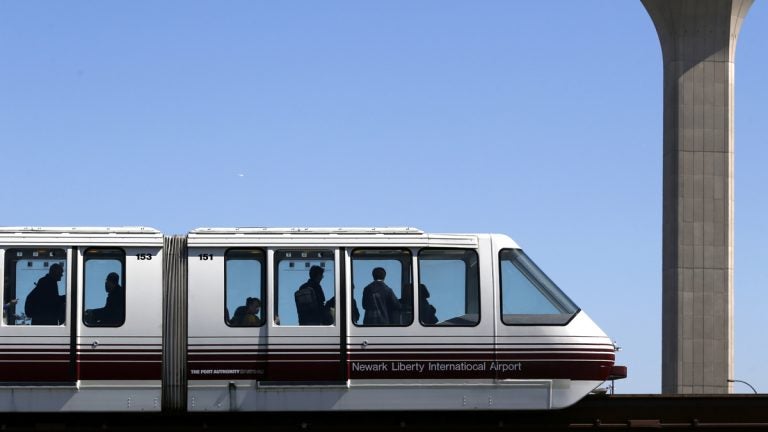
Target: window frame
(67,279)
(263,281)
(277,257)
(501,296)
(410,269)
(122,281)
(466,276)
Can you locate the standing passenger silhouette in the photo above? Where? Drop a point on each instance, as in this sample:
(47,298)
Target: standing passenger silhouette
(44,304)
(379,301)
(310,299)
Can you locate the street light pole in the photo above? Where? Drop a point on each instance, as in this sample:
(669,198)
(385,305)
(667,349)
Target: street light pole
(743,382)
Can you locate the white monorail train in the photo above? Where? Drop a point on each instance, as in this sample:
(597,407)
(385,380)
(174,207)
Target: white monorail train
(125,319)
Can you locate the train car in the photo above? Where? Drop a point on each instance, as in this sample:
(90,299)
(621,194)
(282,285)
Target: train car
(476,325)
(59,350)
(273,319)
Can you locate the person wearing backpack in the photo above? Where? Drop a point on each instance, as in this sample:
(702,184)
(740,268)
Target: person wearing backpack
(310,300)
(44,304)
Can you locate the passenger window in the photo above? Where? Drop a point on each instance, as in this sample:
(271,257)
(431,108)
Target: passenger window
(528,296)
(244,288)
(35,286)
(449,287)
(382,288)
(304,288)
(104,287)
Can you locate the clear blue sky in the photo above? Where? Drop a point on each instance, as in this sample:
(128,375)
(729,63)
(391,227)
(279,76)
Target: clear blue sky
(538,119)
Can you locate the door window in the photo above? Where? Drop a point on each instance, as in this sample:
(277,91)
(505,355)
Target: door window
(244,288)
(35,286)
(104,287)
(304,287)
(382,287)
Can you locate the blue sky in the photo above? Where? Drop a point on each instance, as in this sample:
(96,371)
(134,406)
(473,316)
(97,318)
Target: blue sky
(541,120)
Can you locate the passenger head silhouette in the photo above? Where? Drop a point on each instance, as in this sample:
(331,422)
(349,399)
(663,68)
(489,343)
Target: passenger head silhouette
(56,271)
(316,272)
(379,273)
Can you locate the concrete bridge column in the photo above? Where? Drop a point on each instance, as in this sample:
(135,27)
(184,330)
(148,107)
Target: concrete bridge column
(698,42)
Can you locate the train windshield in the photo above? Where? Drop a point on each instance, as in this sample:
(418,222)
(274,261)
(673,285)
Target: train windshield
(528,296)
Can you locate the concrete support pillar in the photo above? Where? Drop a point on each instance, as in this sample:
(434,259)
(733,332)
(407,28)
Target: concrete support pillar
(698,41)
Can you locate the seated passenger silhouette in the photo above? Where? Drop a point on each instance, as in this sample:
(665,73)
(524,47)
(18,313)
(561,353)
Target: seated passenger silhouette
(248,315)
(427,312)
(379,301)
(310,300)
(113,312)
(44,304)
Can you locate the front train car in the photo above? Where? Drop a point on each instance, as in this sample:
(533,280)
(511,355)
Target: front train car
(545,340)
(380,319)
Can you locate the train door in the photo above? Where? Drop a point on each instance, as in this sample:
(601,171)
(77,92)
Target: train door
(38,331)
(305,332)
(437,333)
(227,317)
(120,315)
(381,315)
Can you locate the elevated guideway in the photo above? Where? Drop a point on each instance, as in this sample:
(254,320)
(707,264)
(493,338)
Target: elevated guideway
(595,412)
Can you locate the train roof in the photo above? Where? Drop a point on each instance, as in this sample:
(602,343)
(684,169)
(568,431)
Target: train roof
(136,236)
(234,236)
(355,236)
(78,230)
